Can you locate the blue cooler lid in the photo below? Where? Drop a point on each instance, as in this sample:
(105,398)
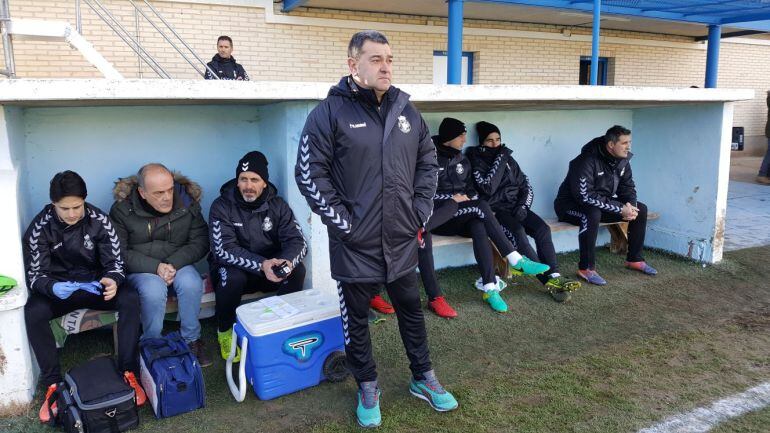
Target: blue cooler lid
(279,313)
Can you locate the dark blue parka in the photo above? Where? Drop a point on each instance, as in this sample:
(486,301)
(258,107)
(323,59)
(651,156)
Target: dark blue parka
(369,170)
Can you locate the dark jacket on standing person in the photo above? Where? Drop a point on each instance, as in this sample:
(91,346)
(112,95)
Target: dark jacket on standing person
(226,69)
(86,251)
(179,238)
(596,178)
(245,234)
(499,179)
(454,174)
(369,170)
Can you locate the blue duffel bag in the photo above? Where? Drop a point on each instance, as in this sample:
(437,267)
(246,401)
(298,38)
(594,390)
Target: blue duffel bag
(171,375)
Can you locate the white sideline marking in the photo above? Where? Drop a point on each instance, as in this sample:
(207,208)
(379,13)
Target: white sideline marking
(704,419)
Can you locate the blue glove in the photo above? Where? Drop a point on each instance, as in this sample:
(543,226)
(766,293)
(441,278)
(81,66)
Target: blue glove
(94,287)
(64,289)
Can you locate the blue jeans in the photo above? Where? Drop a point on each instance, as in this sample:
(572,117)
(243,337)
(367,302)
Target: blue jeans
(764,169)
(153,292)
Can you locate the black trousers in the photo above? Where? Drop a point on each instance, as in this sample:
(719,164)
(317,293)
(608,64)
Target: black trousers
(534,226)
(473,219)
(40,309)
(588,219)
(230,283)
(354,307)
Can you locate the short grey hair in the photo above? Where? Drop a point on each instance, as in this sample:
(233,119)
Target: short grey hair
(358,40)
(142,173)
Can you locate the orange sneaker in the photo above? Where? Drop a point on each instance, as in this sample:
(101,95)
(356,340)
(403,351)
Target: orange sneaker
(141,397)
(442,308)
(381,305)
(45,414)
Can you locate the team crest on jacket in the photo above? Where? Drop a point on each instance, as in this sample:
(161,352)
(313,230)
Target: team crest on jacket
(460,169)
(404,124)
(87,243)
(267,224)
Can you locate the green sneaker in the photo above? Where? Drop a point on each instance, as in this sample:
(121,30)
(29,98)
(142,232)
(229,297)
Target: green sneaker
(430,390)
(495,301)
(6,284)
(225,341)
(528,267)
(368,409)
(560,288)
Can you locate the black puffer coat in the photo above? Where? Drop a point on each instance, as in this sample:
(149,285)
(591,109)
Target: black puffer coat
(499,179)
(597,179)
(244,237)
(83,252)
(369,171)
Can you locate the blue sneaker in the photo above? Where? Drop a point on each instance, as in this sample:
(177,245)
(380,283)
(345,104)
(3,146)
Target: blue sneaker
(525,266)
(430,390)
(368,409)
(495,301)
(591,276)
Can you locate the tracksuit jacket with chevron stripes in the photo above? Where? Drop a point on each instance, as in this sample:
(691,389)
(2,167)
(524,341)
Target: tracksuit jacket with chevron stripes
(243,238)
(86,251)
(369,171)
(597,179)
(454,174)
(499,179)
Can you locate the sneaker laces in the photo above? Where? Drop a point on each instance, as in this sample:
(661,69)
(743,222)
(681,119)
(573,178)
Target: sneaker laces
(369,394)
(432,382)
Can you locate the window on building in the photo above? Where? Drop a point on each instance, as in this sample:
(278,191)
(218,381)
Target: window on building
(585,70)
(440,67)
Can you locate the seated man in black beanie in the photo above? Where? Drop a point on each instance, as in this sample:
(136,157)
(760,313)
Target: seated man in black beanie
(253,230)
(74,260)
(507,189)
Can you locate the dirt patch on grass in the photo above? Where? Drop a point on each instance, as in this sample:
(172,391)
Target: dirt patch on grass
(753,320)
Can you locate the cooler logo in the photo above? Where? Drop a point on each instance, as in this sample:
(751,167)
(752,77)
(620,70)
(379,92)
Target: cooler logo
(302,346)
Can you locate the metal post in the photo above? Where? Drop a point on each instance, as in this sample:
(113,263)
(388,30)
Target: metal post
(595,43)
(138,42)
(455,42)
(5,19)
(712,56)
(78,21)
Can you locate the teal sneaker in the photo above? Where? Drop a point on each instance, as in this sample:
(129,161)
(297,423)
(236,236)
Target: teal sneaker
(528,267)
(495,301)
(368,410)
(430,390)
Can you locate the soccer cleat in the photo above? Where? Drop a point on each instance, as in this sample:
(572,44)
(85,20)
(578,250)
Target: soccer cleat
(442,308)
(430,390)
(560,288)
(495,301)
(141,397)
(368,409)
(642,267)
(381,305)
(45,414)
(225,341)
(526,266)
(591,276)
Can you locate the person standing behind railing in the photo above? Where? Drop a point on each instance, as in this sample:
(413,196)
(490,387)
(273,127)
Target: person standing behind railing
(224,64)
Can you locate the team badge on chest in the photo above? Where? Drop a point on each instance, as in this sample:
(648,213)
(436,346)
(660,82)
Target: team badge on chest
(267,224)
(87,243)
(460,169)
(404,124)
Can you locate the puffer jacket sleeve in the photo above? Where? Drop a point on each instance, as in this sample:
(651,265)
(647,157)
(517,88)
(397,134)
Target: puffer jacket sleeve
(488,178)
(197,242)
(107,246)
(313,171)
(526,193)
(581,181)
(627,187)
(293,244)
(37,256)
(135,261)
(224,243)
(425,176)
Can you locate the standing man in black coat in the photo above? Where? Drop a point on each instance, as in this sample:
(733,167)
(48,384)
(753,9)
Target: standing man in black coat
(367,166)
(223,63)
(599,187)
(252,230)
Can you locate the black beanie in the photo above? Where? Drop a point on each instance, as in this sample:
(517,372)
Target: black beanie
(67,184)
(483,129)
(253,161)
(449,130)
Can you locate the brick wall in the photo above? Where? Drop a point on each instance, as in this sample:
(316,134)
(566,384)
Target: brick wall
(315,53)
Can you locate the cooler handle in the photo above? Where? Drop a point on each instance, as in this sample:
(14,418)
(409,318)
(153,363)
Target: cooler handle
(238,391)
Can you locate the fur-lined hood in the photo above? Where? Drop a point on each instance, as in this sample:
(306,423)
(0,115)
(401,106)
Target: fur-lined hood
(125,186)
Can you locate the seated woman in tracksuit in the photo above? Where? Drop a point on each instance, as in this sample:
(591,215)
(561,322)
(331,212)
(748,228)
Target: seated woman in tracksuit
(457,211)
(503,184)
